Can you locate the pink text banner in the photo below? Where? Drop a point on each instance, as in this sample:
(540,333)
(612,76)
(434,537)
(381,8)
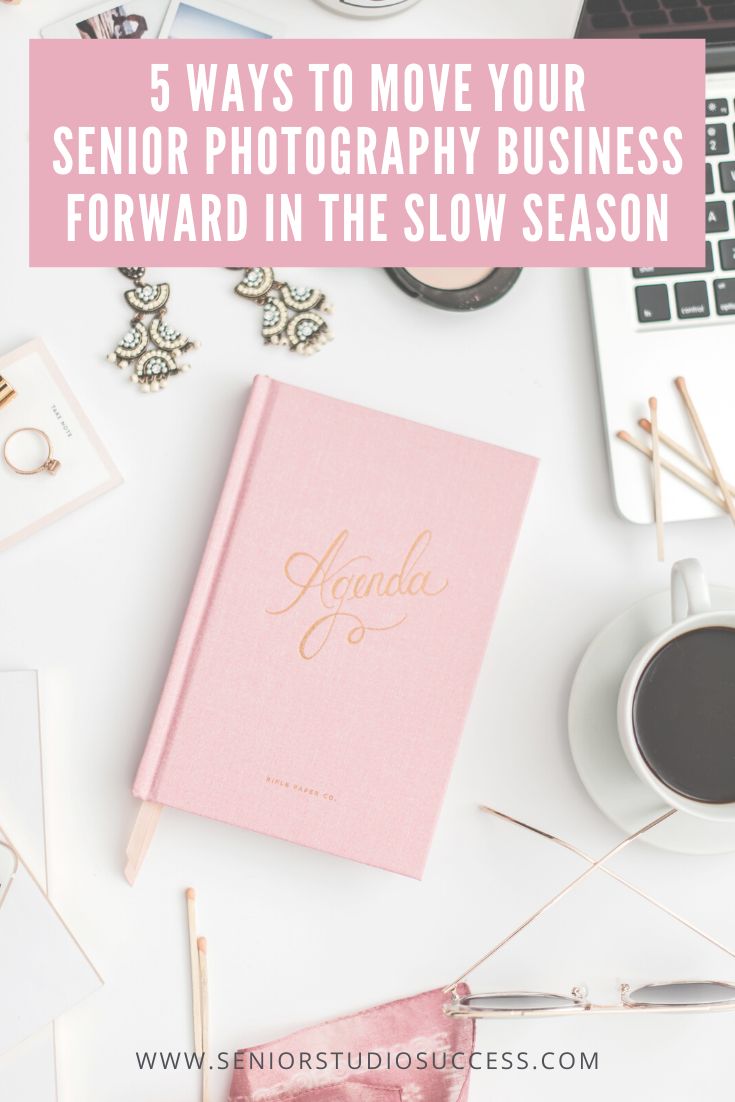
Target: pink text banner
(372,152)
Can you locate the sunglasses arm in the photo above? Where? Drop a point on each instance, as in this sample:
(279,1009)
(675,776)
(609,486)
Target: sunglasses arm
(615,876)
(559,895)
(6,884)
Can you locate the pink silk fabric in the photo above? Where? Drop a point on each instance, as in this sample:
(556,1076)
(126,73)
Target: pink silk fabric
(411,1026)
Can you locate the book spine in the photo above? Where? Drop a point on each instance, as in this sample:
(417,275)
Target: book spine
(163,730)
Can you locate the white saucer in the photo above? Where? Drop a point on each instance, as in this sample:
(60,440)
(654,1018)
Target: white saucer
(593,733)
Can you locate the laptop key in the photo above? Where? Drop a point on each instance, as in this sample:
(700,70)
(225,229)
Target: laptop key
(609,22)
(716,139)
(716,107)
(648,273)
(716,220)
(725,296)
(727,175)
(722,11)
(640,5)
(727,254)
(649,18)
(653,302)
(594,7)
(692,300)
(710,178)
(689,15)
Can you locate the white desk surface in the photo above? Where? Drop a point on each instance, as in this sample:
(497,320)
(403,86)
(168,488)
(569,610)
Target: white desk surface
(294,935)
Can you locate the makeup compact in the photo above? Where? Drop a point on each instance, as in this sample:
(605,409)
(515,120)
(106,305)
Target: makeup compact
(455,288)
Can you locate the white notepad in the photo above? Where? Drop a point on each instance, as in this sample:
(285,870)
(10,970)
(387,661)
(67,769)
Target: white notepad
(28,1071)
(44,970)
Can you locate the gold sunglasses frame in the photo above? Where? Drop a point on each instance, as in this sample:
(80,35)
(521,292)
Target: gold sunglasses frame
(5,887)
(459,1006)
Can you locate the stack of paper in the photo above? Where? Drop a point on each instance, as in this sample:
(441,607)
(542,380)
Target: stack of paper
(43,970)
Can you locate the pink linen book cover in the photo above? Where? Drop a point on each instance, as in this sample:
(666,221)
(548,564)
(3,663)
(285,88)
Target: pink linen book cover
(336,628)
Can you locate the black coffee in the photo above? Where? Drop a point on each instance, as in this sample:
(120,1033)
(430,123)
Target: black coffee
(684,715)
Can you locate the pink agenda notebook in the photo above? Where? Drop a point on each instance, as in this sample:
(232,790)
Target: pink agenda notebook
(336,628)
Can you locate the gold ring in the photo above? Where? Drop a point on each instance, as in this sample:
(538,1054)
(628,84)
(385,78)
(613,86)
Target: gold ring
(49,464)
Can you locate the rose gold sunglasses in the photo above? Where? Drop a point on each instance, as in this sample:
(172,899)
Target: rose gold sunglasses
(684,996)
(8,869)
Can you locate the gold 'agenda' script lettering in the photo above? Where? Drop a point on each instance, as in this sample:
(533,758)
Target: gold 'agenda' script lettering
(336,581)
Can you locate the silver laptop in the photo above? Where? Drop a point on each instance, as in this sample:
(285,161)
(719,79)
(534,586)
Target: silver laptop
(652,324)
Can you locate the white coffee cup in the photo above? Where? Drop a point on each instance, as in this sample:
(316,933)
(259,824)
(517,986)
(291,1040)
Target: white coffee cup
(367,7)
(691,609)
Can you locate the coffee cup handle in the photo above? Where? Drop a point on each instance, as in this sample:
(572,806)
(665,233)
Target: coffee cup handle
(689,590)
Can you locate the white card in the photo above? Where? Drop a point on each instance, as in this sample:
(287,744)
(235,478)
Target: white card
(28,1071)
(215,19)
(44,970)
(44,401)
(21,771)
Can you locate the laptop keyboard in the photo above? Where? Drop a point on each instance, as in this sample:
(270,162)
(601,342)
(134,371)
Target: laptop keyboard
(696,294)
(608,15)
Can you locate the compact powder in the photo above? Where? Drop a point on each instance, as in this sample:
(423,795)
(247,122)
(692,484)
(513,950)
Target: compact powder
(459,289)
(450,279)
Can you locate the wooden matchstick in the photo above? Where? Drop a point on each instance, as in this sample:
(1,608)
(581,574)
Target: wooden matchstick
(196,988)
(656,457)
(680,450)
(204,998)
(704,441)
(676,471)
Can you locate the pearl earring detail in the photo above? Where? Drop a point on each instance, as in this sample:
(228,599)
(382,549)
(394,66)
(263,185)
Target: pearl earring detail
(151,347)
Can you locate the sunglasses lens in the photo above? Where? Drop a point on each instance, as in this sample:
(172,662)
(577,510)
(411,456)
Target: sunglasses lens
(683,994)
(518,1001)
